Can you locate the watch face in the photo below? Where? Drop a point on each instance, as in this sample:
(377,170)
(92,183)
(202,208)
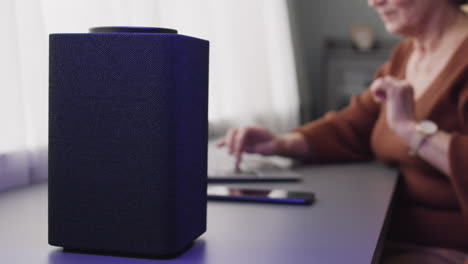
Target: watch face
(428,127)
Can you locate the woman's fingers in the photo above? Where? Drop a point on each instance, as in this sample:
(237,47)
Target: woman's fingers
(387,88)
(242,135)
(378,90)
(252,139)
(399,102)
(226,141)
(221,143)
(232,133)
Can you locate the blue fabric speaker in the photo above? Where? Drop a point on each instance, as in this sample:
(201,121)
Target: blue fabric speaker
(127,140)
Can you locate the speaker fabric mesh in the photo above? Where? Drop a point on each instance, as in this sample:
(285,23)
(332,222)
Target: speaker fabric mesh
(127,141)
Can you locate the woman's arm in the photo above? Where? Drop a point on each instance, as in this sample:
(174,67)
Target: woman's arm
(399,101)
(434,149)
(295,146)
(338,136)
(259,139)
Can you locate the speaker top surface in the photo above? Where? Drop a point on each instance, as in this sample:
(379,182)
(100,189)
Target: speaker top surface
(132,30)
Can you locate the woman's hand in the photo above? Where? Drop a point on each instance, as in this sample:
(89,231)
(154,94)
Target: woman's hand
(258,139)
(398,97)
(252,139)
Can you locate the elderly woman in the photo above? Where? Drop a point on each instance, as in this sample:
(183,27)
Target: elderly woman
(414,116)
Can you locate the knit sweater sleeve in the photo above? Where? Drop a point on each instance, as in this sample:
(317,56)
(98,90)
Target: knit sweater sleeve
(343,135)
(458,154)
(346,135)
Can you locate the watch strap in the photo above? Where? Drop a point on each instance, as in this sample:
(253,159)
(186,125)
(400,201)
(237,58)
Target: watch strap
(424,129)
(416,142)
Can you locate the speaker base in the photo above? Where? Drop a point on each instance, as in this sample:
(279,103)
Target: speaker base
(130,254)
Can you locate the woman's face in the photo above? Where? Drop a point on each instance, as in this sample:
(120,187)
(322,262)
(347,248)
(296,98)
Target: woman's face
(404,17)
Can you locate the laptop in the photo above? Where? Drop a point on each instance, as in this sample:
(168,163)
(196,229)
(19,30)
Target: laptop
(253,168)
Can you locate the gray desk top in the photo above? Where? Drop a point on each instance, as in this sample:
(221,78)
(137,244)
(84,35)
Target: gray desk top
(343,226)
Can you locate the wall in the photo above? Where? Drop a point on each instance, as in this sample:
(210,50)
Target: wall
(315,20)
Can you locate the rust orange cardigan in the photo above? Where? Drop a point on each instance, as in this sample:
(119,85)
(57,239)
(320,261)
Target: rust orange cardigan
(430,209)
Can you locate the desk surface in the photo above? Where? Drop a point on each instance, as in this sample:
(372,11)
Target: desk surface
(343,226)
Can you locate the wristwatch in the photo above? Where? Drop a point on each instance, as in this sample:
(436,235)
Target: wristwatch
(424,129)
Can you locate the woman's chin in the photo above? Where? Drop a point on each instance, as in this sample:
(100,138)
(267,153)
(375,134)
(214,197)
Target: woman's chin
(395,29)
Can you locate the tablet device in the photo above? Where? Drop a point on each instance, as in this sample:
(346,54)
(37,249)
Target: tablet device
(260,195)
(253,168)
(252,175)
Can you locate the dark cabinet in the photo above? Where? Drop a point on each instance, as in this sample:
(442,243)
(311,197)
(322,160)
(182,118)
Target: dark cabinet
(349,71)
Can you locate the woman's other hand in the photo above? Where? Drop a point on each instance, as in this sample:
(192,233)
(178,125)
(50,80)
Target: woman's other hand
(259,139)
(398,97)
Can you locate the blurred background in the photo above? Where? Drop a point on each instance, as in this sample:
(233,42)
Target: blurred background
(279,63)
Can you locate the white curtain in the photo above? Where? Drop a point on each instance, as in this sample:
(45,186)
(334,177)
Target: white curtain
(252,73)
(23,93)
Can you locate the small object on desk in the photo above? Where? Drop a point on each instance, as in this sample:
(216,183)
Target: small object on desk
(259,195)
(254,168)
(253,175)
